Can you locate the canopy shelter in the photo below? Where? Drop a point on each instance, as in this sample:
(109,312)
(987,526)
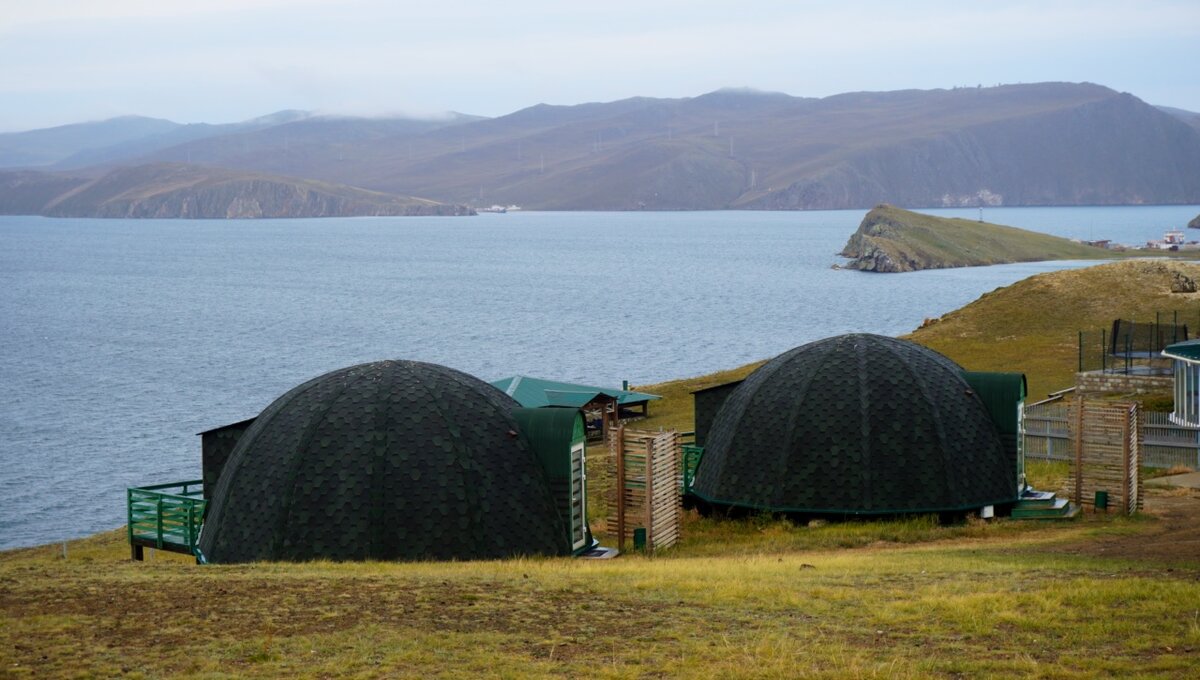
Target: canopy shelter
(603,406)
(1185,358)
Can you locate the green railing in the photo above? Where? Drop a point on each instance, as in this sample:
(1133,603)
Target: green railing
(691,460)
(166,516)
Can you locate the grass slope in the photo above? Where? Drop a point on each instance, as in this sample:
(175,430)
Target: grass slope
(737,599)
(177,190)
(891,239)
(1032,326)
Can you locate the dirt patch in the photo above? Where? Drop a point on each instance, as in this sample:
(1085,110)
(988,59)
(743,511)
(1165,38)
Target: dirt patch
(1172,535)
(148,614)
(139,619)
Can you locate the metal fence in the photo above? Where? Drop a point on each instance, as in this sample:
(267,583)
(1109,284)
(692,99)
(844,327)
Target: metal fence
(1045,432)
(1164,444)
(1132,347)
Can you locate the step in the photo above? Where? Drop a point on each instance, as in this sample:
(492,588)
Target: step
(1060,509)
(1037,499)
(1057,505)
(1071,514)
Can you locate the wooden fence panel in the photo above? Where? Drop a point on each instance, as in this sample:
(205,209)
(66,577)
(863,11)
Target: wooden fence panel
(1105,440)
(645,493)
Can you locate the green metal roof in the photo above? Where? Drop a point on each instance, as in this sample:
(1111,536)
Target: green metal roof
(1185,351)
(536,393)
(1000,394)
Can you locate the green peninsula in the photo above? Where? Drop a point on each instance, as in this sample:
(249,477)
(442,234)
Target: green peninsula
(894,240)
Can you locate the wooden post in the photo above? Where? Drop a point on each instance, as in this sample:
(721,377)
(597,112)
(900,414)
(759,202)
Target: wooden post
(1126,451)
(1079,453)
(651,445)
(620,491)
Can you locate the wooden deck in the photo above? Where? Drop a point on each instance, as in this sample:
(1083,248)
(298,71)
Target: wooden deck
(166,517)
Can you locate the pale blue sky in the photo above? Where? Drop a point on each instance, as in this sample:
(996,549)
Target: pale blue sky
(64,61)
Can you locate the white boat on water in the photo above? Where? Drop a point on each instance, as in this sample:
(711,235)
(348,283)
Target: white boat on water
(1173,240)
(499,209)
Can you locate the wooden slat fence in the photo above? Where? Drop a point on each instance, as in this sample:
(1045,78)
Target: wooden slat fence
(645,493)
(1104,438)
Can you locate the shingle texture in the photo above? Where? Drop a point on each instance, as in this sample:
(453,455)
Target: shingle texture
(859,424)
(393,460)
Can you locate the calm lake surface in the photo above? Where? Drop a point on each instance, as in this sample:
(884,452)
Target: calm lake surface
(121,339)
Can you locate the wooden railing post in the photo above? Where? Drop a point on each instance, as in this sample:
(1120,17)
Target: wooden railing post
(160,523)
(620,491)
(1079,452)
(651,446)
(1126,457)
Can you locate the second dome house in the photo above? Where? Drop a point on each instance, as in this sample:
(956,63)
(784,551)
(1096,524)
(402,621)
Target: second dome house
(391,460)
(860,424)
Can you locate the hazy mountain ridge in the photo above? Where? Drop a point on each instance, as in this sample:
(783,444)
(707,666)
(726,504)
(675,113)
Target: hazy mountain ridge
(186,191)
(1190,117)
(46,146)
(1037,144)
(124,139)
(1058,157)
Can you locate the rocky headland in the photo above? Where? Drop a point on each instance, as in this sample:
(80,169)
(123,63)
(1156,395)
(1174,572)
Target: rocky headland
(891,239)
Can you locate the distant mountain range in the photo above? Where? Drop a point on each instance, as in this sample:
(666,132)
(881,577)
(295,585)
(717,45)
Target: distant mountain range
(1039,144)
(173,190)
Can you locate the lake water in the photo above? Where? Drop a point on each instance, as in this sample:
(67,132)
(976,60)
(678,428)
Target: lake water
(121,339)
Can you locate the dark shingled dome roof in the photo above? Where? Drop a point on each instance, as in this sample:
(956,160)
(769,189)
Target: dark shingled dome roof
(387,460)
(859,424)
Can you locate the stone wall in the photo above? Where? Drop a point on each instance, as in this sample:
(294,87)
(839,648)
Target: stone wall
(1098,382)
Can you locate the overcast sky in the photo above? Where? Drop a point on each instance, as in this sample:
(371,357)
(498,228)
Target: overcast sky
(64,61)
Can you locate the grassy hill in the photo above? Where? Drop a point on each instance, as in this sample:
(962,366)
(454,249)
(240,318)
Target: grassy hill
(890,239)
(176,190)
(1032,325)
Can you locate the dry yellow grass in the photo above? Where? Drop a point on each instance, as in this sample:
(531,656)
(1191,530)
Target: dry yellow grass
(738,599)
(1032,326)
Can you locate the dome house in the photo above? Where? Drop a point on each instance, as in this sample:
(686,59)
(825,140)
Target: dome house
(856,424)
(391,460)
